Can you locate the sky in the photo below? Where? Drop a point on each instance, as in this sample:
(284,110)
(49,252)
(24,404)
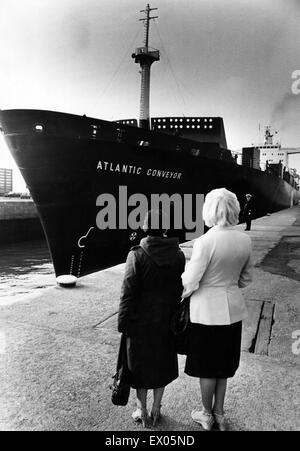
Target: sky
(228,58)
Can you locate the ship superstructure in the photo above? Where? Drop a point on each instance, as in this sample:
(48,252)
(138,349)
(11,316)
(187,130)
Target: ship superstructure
(271,157)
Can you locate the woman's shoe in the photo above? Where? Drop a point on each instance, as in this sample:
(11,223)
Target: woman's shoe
(140,415)
(220,421)
(155,414)
(205,419)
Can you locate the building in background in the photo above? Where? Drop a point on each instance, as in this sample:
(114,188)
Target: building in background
(6,181)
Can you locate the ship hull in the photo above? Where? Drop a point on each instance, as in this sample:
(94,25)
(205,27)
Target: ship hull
(69,161)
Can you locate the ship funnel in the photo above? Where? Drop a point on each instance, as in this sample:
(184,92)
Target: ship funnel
(145,56)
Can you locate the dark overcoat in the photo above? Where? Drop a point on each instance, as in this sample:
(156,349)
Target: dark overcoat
(150,293)
(248,210)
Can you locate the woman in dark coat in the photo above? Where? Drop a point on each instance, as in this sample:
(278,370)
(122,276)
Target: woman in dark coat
(150,293)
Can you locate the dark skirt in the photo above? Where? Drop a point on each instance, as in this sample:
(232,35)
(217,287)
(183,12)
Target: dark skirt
(152,359)
(214,351)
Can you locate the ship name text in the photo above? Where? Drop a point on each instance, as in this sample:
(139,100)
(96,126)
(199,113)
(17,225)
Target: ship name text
(137,170)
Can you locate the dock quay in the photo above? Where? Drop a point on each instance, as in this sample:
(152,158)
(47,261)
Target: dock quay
(19,221)
(58,350)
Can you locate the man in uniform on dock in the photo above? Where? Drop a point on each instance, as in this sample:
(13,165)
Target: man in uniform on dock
(248,211)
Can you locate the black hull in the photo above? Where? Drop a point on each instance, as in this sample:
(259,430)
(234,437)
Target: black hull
(58,155)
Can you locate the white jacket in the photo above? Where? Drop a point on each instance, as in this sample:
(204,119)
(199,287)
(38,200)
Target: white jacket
(221,264)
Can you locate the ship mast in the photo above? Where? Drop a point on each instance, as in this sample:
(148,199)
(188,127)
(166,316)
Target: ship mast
(145,56)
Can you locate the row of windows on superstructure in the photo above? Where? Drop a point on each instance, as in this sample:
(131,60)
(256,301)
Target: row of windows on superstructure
(181,126)
(129,121)
(278,154)
(132,121)
(181,119)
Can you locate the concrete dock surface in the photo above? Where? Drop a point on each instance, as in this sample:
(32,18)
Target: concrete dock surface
(58,350)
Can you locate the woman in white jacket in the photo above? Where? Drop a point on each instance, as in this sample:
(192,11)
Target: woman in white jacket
(219,267)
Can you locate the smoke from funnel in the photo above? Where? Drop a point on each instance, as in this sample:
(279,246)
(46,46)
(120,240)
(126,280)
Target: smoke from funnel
(286,112)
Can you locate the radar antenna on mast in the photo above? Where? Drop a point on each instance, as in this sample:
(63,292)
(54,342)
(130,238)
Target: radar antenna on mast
(145,56)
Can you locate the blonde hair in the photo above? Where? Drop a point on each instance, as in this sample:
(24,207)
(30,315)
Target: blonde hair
(221,207)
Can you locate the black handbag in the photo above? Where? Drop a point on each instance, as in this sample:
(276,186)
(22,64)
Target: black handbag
(121,386)
(180,326)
